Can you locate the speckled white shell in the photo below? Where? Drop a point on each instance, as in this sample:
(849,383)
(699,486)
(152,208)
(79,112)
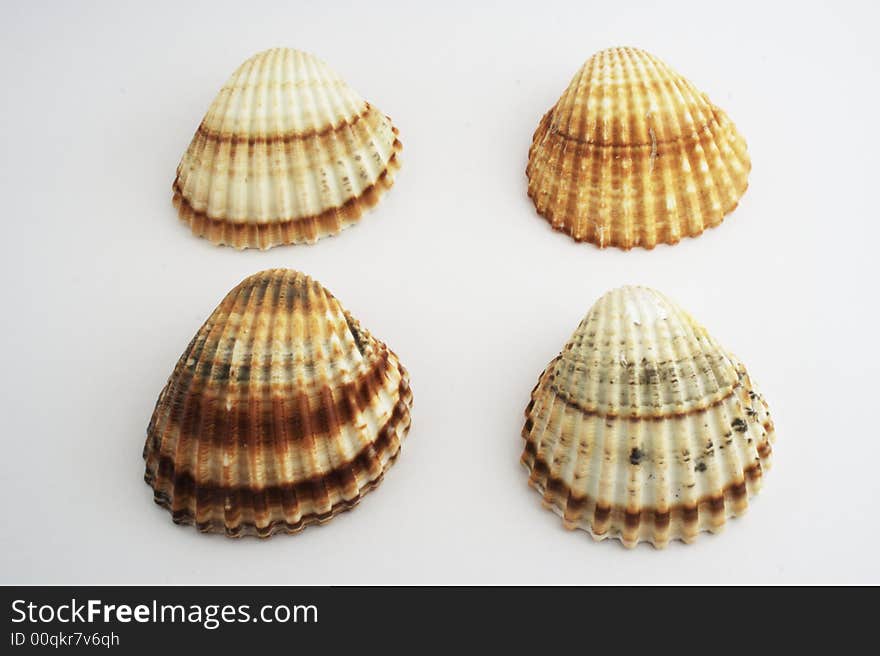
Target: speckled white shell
(645,428)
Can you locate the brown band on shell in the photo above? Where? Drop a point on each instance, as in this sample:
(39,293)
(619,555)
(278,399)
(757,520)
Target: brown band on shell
(189,495)
(679,145)
(589,412)
(573,508)
(213,135)
(684,139)
(350,400)
(307,229)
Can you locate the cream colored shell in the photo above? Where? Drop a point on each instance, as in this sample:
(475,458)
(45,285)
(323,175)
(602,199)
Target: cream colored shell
(287,153)
(633,154)
(644,428)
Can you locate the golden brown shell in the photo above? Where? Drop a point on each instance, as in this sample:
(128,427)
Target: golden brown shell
(633,154)
(282,412)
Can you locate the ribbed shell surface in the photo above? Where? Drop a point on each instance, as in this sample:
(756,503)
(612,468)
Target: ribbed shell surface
(633,154)
(286,154)
(644,428)
(281,412)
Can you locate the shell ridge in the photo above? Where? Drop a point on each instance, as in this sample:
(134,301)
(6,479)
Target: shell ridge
(556,189)
(725,384)
(279,135)
(704,485)
(159,420)
(722,175)
(350,105)
(258,204)
(342,176)
(629,129)
(315,188)
(711,195)
(672,125)
(278,147)
(232,463)
(203,505)
(687,220)
(584,226)
(276,194)
(603,449)
(212,345)
(370,152)
(291,510)
(541,436)
(185,175)
(712,122)
(239,99)
(696,335)
(666,480)
(683,351)
(574,472)
(558,453)
(255,438)
(549,450)
(269,442)
(322,449)
(736,468)
(594,220)
(284,149)
(336,159)
(230,186)
(608,478)
(691,491)
(640,459)
(312,458)
(532,431)
(295,422)
(716,489)
(678,342)
(539,174)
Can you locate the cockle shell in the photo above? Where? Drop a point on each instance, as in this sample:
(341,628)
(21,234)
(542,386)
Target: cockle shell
(633,154)
(644,428)
(288,153)
(282,412)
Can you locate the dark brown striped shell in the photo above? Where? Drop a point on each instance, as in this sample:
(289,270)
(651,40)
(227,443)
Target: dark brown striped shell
(282,412)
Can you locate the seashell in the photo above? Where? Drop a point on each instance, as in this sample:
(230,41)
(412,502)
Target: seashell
(633,154)
(287,153)
(644,428)
(282,412)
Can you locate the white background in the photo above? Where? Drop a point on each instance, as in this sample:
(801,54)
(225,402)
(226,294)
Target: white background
(104,287)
